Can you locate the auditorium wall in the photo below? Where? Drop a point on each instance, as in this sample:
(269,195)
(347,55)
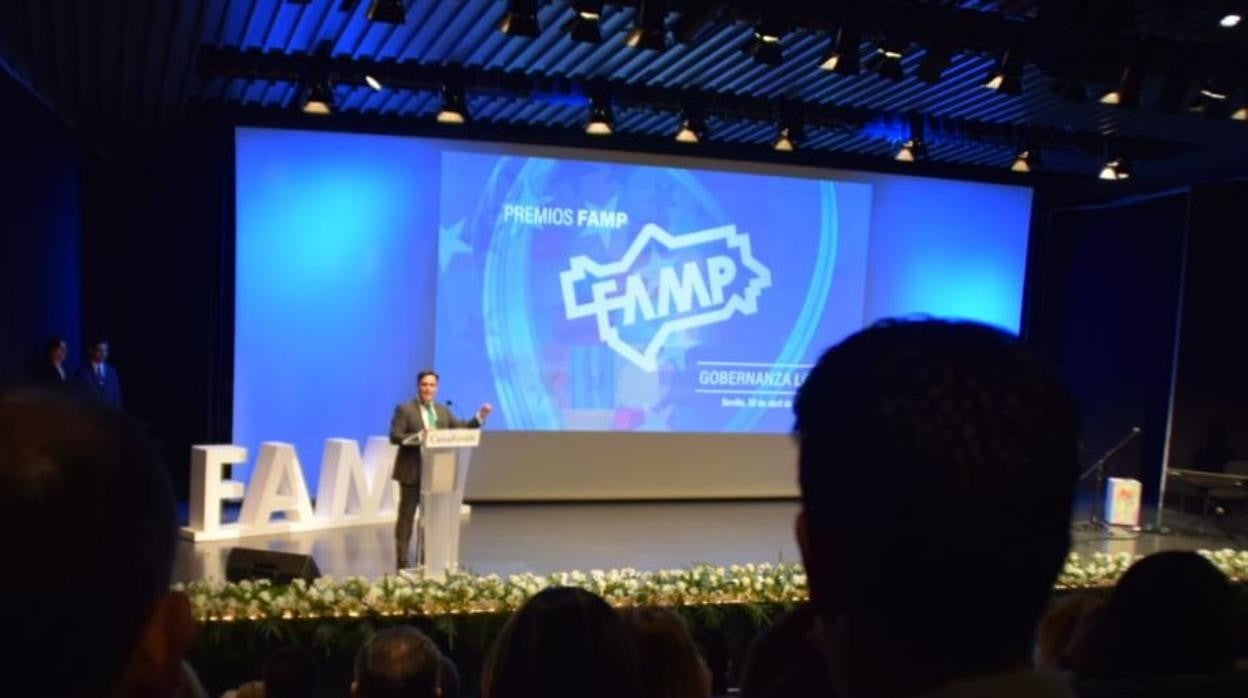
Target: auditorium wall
(156,261)
(1139,303)
(40,248)
(1211,382)
(1106,301)
(157,281)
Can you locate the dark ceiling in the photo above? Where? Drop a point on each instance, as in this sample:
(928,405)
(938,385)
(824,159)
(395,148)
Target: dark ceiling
(120,68)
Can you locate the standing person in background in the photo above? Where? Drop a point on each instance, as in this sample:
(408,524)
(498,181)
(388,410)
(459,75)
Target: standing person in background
(52,372)
(97,378)
(411,421)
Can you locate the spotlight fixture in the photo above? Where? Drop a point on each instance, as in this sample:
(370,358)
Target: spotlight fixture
(1115,170)
(934,63)
(692,129)
(650,29)
(789,131)
(1127,94)
(601,122)
(915,148)
(1230,20)
(1240,114)
(1210,100)
(1213,91)
(454,109)
(317,97)
(1006,75)
(585,25)
(888,59)
(387,11)
(842,56)
(520,19)
(1026,160)
(786,140)
(373,83)
(764,44)
(912,150)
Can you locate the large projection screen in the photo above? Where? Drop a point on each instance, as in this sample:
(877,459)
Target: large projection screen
(639,322)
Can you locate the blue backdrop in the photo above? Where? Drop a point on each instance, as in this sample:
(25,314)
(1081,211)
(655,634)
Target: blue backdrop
(577,293)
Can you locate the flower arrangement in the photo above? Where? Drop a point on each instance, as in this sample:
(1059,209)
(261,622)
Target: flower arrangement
(464,593)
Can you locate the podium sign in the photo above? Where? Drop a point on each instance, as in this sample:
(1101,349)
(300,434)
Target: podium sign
(1122,502)
(444,458)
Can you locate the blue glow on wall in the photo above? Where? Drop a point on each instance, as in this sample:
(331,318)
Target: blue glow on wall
(338,297)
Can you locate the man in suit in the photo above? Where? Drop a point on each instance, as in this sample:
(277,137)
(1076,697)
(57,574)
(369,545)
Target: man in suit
(98,379)
(411,421)
(52,373)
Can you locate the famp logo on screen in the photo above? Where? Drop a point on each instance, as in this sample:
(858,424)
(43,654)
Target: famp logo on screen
(688,281)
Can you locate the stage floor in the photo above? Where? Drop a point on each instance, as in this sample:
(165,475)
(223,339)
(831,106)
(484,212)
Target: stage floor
(542,538)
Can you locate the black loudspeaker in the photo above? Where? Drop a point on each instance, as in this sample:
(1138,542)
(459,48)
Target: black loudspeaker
(276,566)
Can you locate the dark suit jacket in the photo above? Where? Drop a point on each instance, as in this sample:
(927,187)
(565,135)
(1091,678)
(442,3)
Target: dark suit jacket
(409,419)
(106,390)
(48,377)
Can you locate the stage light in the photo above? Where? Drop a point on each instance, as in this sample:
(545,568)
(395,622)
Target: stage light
(520,19)
(1230,20)
(454,109)
(649,27)
(912,150)
(842,56)
(915,148)
(1240,114)
(317,97)
(1115,170)
(585,25)
(601,122)
(1212,91)
(1127,93)
(373,82)
(387,11)
(692,129)
(1210,100)
(1026,160)
(764,46)
(786,140)
(935,61)
(1006,75)
(888,59)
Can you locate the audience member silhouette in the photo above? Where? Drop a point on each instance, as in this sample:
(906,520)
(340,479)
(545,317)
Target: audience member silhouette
(397,662)
(290,672)
(786,659)
(92,513)
(937,467)
(1065,639)
(1170,614)
(448,677)
(563,643)
(670,664)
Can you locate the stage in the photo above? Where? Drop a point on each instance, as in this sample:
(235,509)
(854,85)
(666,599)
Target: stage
(541,538)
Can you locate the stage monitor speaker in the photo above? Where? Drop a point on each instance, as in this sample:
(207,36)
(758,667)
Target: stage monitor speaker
(274,565)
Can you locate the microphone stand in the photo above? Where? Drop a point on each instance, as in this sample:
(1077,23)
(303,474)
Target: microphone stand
(1098,469)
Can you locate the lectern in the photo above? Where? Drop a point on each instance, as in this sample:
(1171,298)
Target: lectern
(444,457)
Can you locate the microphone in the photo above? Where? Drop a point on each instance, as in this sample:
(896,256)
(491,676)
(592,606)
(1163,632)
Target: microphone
(1099,465)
